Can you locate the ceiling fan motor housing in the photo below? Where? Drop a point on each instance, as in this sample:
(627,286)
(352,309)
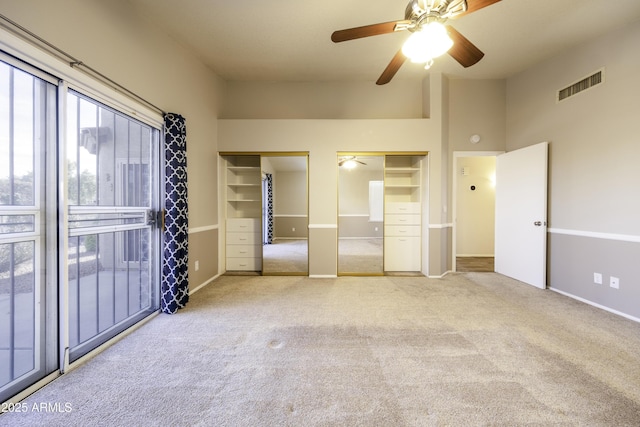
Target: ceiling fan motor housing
(424,11)
(419,15)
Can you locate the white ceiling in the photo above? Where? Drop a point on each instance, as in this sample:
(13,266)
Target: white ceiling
(289,40)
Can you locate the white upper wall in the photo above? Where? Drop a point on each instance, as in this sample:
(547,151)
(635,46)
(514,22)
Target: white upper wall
(594,138)
(477,107)
(106,36)
(401,99)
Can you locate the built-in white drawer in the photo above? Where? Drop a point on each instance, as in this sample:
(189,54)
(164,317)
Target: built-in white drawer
(244,264)
(244,251)
(402,208)
(400,219)
(402,254)
(250,225)
(243,238)
(402,230)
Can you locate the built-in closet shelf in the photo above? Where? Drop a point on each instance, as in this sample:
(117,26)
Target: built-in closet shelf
(402,222)
(243,183)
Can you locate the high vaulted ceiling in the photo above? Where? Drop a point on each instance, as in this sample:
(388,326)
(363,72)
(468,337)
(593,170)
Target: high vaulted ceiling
(289,40)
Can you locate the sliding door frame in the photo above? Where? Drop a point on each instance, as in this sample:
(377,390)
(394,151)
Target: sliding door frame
(23,50)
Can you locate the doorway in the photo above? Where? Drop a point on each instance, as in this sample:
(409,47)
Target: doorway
(474,211)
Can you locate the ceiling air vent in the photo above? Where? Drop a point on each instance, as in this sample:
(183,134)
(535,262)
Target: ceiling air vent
(584,84)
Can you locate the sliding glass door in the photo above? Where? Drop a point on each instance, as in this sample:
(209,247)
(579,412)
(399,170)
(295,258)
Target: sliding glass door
(112,162)
(79,232)
(28,325)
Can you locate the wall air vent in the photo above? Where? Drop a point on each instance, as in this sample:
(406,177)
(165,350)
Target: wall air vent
(582,85)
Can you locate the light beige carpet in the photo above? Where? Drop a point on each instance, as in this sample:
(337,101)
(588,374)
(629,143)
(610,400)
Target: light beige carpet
(360,256)
(467,350)
(286,256)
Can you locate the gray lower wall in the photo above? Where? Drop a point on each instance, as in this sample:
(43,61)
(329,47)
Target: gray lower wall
(286,227)
(359,226)
(440,261)
(572,260)
(203,247)
(323,251)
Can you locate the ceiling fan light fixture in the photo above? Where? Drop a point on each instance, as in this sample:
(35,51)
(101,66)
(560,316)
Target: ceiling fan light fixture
(349,164)
(429,42)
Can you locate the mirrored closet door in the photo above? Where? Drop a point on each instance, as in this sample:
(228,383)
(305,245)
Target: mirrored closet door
(360,214)
(285,229)
(266,199)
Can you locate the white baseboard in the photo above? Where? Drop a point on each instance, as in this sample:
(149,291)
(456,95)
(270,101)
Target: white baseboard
(191,292)
(591,303)
(441,276)
(320,276)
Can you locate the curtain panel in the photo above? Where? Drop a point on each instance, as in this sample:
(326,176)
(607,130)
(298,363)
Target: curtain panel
(269,208)
(175,275)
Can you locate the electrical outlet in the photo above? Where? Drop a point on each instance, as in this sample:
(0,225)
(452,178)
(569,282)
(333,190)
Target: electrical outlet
(293,229)
(614,282)
(196,265)
(597,278)
(376,229)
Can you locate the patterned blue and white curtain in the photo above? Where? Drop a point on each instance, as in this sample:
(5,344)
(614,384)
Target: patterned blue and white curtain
(175,277)
(269,208)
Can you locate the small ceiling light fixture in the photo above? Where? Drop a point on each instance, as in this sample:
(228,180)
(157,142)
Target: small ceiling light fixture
(349,164)
(474,139)
(430,42)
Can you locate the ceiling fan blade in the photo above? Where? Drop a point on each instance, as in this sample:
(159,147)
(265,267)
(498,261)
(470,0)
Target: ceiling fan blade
(392,68)
(367,31)
(473,5)
(463,51)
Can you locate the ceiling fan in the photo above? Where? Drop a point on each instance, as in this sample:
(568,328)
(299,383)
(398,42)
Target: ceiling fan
(349,162)
(424,19)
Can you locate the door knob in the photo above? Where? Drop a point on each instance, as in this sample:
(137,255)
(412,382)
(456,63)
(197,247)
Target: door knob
(538,223)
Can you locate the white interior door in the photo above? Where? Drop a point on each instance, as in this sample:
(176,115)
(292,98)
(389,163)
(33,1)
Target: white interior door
(521,214)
